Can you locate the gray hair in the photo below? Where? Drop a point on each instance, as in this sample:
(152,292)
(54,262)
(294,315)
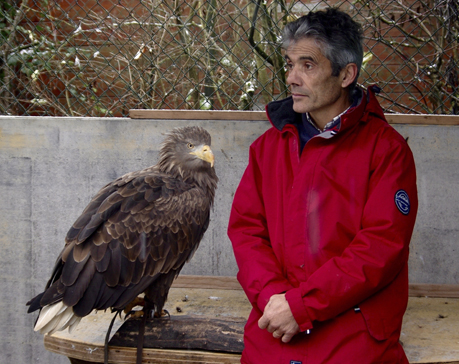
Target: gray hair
(340,37)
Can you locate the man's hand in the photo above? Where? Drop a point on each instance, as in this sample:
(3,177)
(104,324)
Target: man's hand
(278,319)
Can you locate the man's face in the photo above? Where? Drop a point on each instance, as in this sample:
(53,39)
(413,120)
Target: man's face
(313,88)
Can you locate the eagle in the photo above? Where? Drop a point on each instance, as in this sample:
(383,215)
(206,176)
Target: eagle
(134,236)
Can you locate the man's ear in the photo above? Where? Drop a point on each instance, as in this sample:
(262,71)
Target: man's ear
(348,74)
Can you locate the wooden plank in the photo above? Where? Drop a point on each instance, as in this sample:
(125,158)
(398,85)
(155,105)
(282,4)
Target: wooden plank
(434,290)
(184,333)
(419,119)
(422,119)
(198,115)
(126,355)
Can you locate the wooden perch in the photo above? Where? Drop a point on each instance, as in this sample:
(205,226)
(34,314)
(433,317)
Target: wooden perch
(184,333)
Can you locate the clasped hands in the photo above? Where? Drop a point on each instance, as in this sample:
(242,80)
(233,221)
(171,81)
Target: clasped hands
(278,319)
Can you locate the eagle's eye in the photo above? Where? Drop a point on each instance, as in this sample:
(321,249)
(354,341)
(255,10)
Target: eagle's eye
(190,146)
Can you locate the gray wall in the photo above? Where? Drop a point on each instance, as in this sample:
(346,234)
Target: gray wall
(50,168)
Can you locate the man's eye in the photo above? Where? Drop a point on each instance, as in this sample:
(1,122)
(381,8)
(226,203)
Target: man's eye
(289,66)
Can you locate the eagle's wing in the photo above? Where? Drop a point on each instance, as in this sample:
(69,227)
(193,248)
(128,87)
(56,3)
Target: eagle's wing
(137,228)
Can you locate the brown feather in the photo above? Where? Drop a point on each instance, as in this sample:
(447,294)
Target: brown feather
(86,304)
(102,265)
(112,274)
(74,292)
(72,269)
(127,271)
(52,294)
(99,238)
(81,251)
(93,224)
(98,251)
(108,204)
(109,295)
(67,249)
(139,270)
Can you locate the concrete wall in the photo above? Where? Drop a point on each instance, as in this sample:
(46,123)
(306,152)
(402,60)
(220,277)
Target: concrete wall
(50,168)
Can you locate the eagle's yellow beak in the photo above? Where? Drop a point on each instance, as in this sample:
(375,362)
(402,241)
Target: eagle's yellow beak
(205,153)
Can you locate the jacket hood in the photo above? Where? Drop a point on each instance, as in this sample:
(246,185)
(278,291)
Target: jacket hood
(280,113)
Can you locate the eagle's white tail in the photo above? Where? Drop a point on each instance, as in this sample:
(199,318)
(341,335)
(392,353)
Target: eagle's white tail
(56,317)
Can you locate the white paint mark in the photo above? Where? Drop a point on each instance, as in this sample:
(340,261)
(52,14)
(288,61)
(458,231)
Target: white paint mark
(90,350)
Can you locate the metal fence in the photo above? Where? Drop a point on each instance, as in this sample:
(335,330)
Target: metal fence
(102,58)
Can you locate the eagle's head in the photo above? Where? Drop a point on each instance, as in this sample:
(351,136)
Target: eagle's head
(186,152)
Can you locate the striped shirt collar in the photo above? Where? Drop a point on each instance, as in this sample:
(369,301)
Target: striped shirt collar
(335,121)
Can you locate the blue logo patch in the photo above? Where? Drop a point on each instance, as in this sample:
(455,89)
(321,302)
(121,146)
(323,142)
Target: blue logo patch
(402,201)
(295,362)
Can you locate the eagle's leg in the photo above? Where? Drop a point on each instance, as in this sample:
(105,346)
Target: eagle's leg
(128,310)
(157,293)
(141,301)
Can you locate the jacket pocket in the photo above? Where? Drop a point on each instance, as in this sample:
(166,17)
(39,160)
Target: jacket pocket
(376,327)
(382,321)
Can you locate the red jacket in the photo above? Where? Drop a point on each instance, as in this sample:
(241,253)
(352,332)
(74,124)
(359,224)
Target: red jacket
(331,228)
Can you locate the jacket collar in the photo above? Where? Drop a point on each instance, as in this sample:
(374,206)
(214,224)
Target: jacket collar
(280,113)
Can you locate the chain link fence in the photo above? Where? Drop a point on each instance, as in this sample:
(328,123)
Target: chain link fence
(102,57)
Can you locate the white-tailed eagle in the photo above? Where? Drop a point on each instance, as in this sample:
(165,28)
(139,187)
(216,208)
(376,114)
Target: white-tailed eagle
(134,236)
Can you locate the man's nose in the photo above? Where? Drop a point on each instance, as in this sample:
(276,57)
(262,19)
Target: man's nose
(293,77)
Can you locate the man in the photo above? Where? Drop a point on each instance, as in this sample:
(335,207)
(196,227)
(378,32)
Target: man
(323,215)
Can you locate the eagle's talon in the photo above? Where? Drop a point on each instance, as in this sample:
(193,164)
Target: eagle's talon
(133,314)
(130,312)
(138,301)
(162,314)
